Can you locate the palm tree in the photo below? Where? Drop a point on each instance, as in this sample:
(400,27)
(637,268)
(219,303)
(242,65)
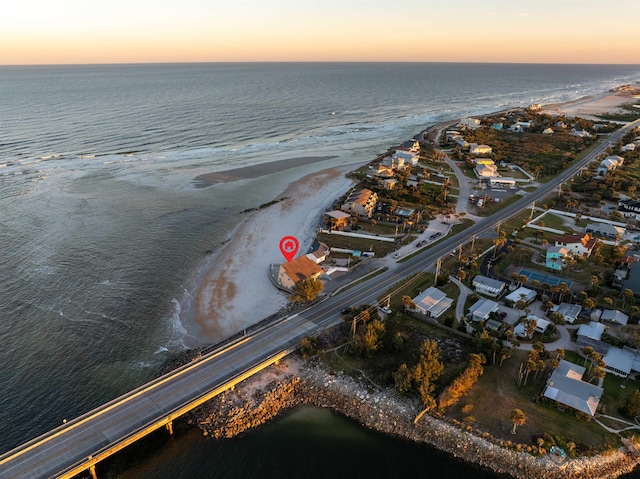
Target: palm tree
(408,303)
(517,418)
(461,274)
(564,289)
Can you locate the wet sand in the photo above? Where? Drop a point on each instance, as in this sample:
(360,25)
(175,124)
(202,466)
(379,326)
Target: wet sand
(255,171)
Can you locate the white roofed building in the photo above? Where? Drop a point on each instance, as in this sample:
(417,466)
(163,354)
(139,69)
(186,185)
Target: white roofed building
(481,310)
(565,386)
(522,293)
(568,311)
(488,286)
(432,302)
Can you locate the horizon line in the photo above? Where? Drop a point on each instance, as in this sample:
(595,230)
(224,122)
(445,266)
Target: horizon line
(231,62)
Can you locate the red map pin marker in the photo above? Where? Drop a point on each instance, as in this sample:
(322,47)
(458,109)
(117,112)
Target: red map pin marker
(289,247)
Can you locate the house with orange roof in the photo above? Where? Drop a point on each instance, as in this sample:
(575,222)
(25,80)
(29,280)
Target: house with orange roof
(296,270)
(577,245)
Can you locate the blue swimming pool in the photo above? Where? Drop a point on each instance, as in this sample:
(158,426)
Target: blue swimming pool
(544,278)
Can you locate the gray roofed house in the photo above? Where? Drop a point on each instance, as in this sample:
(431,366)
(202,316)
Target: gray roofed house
(489,286)
(622,361)
(432,302)
(569,311)
(614,316)
(591,335)
(605,229)
(593,330)
(481,309)
(565,386)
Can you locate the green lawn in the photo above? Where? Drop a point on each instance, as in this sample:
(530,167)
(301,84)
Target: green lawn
(491,400)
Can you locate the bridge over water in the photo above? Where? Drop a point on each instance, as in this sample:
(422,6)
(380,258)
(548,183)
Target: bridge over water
(78,445)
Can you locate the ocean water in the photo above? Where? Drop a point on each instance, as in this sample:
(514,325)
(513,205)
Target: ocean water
(104,233)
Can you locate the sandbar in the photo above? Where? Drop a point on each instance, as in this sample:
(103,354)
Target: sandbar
(255,171)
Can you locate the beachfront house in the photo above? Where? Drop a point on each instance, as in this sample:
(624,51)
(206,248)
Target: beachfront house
(481,310)
(555,257)
(388,184)
(488,286)
(432,302)
(296,270)
(337,220)
(408,155)
(526,295)
(577,245)
(395,162)
(411,145)
(472,123)
(382,171)
(606,230)
(319,252)
(566,387)
(361,203)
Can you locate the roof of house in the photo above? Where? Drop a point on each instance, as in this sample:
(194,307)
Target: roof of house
(592,330)
(301,268)
(561,250)
(488,283)
(483,307)
(585,240)
(565,385)
(568,310)
(541,323)
(614,316)
(433,300)
(605,228)
(319,249)
(515,296)
(624,359)
(337,214)
(360,196)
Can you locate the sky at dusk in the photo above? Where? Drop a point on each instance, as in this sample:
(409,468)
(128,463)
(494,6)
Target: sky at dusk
(148,31)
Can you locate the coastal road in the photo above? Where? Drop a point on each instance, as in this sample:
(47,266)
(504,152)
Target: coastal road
(86,440)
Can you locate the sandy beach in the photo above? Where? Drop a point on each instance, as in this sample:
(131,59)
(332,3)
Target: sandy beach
(237,293)
(590,106)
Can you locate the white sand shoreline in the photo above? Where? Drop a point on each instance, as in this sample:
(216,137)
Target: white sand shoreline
(237,292)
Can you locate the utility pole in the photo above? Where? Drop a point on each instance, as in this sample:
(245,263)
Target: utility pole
(438,263)
(533,206)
